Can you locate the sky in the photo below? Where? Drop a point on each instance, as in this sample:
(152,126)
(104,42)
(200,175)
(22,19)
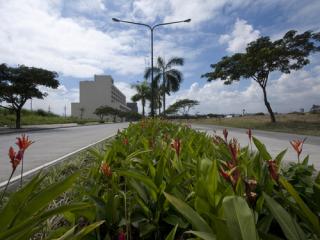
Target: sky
(78,39)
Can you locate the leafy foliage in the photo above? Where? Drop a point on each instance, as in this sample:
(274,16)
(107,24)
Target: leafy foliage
(263,57)
(19,84)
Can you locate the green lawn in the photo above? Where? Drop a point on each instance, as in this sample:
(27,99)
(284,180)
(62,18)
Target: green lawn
(36,117)
(308,124)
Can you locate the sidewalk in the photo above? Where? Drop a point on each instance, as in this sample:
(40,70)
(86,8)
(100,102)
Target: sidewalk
(29,128)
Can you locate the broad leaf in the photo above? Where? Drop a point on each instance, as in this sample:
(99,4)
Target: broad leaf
(239,217)
(191,215)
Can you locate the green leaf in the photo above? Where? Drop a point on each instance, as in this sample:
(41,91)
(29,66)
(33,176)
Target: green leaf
(203,235)
(191,215)
(35,220)
(172,233)
(239,217)
(84,231)
(286,222)
(262,149)
(280,156)
(16,201)
(313,219)
(44,197)
(138,176)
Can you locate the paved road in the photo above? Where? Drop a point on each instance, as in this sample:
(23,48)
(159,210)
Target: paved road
(53,143)
(274,141)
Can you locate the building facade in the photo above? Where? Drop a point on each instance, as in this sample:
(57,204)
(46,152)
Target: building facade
(94,94)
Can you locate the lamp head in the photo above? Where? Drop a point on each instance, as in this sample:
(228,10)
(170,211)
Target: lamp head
(115,20)
(188,20)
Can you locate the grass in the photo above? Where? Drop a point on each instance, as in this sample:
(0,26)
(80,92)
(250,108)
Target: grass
(307,124)
(28,117)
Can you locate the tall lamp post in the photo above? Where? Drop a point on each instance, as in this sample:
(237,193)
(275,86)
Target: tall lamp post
(151,30)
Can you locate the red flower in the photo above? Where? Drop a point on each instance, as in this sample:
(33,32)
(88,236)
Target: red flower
(176,145)
(231,175)
(297,145)
(249,132)
(15,158)
(125,141)
(273,170)
(106,169)
(234,149)
(23,142)
(122,236)
(225,134)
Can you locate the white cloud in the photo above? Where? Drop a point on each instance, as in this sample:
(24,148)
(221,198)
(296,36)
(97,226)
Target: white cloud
(241,35)
(34,33)
(56,100)
(288,93)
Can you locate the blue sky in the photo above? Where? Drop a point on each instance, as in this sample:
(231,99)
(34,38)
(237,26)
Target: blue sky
(78,39)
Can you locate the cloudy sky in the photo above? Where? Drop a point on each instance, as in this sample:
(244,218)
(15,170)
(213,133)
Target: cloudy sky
(78,39)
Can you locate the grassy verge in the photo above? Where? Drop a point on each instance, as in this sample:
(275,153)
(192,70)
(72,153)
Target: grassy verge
(7,118)
(307,124)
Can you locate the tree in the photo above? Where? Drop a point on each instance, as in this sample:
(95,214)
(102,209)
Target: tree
(183,105)
(263,57)
(143,93)
(105,111)
(18,84)
(171,78)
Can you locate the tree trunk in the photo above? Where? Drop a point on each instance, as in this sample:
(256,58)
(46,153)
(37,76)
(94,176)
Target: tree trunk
(18,118)
(164,103)
(142,110)
(273,119)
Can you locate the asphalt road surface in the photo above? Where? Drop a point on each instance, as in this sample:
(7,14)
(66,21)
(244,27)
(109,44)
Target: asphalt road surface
(274,141)
(52,144)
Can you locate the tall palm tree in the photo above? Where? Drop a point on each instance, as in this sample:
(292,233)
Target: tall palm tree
(143,94)
(171,77)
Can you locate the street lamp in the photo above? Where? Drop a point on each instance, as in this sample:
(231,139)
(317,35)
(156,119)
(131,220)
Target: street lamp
(151,30)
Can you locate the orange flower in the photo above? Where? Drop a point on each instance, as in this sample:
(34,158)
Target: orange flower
(176,145)
(297,146)
(106,169)
(23,142)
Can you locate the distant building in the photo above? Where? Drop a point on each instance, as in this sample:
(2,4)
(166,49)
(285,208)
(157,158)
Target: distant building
(133,106)
(94,94)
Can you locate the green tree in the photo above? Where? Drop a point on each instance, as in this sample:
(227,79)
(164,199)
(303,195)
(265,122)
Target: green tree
(171,77)
(107,110)
(183,105)
(143,94)
(263,57)
(18,84)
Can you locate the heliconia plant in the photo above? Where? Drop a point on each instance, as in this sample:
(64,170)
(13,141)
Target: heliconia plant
(160,180)
(16,158)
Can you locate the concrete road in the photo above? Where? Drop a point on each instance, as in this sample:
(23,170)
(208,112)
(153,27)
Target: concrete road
(274,141)
(52,144)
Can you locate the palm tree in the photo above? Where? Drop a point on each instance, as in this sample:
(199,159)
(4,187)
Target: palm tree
(143,94)
(171,77)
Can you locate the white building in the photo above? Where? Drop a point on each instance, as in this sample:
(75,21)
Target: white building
(94,94)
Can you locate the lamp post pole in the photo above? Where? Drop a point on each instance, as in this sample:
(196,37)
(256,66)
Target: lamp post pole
(151,28)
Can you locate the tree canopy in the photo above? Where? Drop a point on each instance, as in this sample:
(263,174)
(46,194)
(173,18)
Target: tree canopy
(264,56)
(171,77)
(183,106)
(18,84)
(143,93)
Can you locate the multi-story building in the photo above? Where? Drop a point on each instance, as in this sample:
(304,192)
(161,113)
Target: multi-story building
(100,92)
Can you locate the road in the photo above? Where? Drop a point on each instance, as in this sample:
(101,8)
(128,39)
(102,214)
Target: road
(52,144)
(274,141)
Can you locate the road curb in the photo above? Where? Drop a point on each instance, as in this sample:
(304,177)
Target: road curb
(33,171)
